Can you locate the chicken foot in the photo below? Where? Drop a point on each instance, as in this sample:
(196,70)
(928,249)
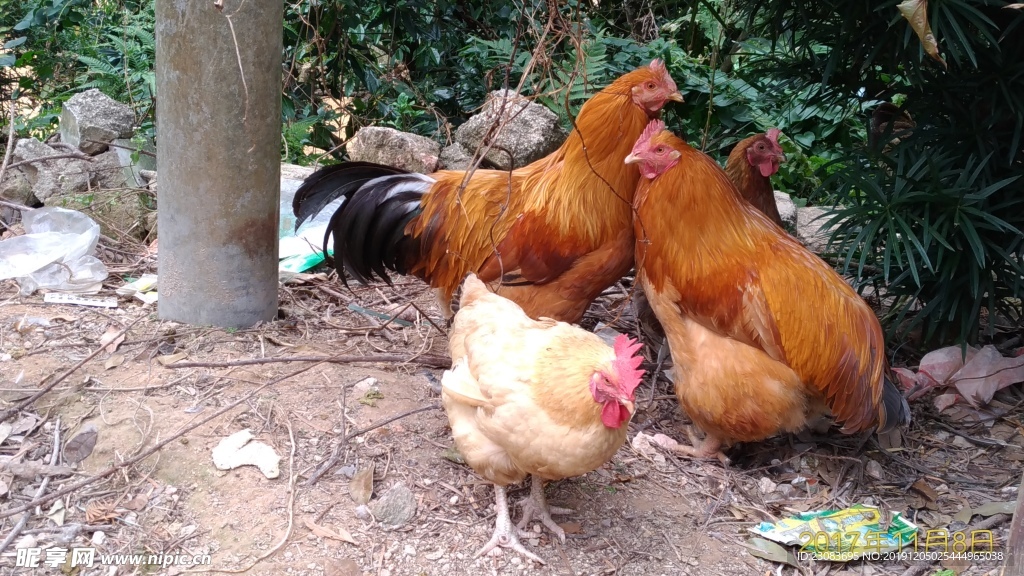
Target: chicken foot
(710,447)
(536,506)
(504,536)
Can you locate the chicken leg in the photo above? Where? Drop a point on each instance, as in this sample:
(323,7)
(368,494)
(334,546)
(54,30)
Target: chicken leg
(708,448)
(537,506)
(504,536)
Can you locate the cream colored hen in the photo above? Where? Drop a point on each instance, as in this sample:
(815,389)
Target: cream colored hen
(527,397)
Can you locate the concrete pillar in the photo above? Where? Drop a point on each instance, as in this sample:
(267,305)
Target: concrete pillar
(218,114)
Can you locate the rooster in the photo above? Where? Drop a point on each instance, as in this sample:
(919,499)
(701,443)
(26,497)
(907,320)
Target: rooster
(750,167)
(764,335)
(537,397)
(551,236)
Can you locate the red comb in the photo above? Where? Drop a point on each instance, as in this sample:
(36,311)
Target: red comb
(653,127)
(626,364)
(658,66)
(773,135)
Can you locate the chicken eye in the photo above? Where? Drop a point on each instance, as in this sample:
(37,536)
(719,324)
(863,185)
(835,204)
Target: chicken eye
(660,150)
(651,85)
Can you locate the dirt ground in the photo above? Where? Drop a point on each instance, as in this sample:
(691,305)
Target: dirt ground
(645,512)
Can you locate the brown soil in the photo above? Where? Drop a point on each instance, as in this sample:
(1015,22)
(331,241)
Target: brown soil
(643,513)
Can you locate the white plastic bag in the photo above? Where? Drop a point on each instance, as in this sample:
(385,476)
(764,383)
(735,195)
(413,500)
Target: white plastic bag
(55,253)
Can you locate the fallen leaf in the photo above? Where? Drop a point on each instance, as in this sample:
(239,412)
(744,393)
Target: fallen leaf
(323,532)
(24,425)
(171,358)
(987,373)
(114,361)
(916,12)
(987,509)
(5,431)
(111,339)
(1018,6)
(360,488)
(925,490)
(80,447)
(768,550)
(4,488)
(57,512)
(63,317)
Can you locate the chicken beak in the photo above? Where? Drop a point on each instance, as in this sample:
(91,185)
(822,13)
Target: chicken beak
(781,158)
(628,406)
(632,159)
(676,96)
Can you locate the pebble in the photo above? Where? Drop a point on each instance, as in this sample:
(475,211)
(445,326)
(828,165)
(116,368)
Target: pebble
(435,555)
(409,550)
(453,500)
(98,537)
(606,523)
(766,485)
(874,469)
(395,507)
(363,512)
(384,572)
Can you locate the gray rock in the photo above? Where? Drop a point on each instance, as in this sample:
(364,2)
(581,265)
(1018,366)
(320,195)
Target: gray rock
(17,188)
(394,507)
(399,149)
(518,130)
(787,209)
(809,223)
(455,157)
(92,115)
(60,177)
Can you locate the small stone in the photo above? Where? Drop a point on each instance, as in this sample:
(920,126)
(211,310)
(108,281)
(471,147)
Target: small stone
(363,512)
(873,469)
(765,485)
(435,555)
(384,572)
(98,538)
(409,550)
(606,523)
(453,500)
(395,507)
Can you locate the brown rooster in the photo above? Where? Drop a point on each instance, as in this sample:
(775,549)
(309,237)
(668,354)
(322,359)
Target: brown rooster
(751,164)
(551,235)
(527,397)
(763,333)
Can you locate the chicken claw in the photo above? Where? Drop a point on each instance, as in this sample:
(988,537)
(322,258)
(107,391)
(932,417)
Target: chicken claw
(710,447)
(537,506)
(504,536)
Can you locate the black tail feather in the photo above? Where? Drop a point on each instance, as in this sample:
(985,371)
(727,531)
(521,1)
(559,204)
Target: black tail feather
(895,412)
(368,228)
(332,182)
